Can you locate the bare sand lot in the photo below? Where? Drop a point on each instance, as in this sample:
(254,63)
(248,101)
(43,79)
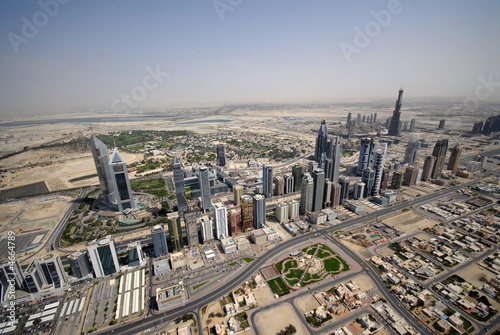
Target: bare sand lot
(409,222)
(8,211)
(272,321)
(46,207)
(364,282)
(307,303)
(264,295)
(359,250)
(57,176)
(385,251)
(476,275)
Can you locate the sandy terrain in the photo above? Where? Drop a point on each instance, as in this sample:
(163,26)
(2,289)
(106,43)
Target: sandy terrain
(63,171)
(307,303)
(409,222)
(361,251)
(264,295)
(474,273)
(9,210)
(271,321)
(385,251)
(364,282)
(46,207)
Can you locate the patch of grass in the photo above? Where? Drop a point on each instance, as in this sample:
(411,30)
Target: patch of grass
(278,286)
(279,267)
(248,259)
(290,263)
(294,273)
(332,264)
(233,263)
(199,285)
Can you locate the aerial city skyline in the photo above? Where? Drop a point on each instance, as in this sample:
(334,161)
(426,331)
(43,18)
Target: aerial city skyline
(249,167)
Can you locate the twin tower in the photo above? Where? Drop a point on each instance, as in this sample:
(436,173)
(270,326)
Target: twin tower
(113,176)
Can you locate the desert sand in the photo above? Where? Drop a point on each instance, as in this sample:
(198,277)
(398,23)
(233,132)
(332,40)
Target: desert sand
(409,222)
(271,321)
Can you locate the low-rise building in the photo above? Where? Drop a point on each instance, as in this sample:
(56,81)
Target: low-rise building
(171,296)
(228,245)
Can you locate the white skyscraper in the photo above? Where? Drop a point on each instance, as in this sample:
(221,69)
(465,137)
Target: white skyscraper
(220,215)
(378,165)
(104,258)
(207,228)
(359,189)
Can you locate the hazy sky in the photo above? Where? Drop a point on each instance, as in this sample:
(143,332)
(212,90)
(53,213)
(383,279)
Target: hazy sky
(90,52)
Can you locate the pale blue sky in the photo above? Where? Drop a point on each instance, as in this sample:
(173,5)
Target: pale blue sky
(91,52)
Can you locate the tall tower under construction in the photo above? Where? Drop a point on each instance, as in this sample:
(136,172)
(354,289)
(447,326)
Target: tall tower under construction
(396,115)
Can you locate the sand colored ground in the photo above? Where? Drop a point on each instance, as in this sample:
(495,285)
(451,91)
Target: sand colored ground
(9,210)
(359,250)
(364,282)
(385,251)
(264,295)
(63,171)
(474,273)
(33,214)
(307,303)
(409,222)
(271,321)
(47,207)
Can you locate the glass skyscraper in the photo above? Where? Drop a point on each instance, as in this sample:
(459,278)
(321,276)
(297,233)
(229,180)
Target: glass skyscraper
(104,258)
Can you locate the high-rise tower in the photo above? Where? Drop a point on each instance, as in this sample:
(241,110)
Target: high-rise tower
(175,232)
(221,155)
(220,215)
(180,188)
(121,182)
(365,155)
(411,152)
(267,180)
(101,161)
(259,211)
(456,152)
(378,166)
(159,240)
(396,115)
(306,194)
(440,150)
(318,176)
(204,181)
(320,152)
(103,256)
(333,159)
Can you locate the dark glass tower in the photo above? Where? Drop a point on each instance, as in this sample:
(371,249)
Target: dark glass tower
(180,188)
(221,155)
(159,240)
(320,152)
(440,150)
(396,115)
